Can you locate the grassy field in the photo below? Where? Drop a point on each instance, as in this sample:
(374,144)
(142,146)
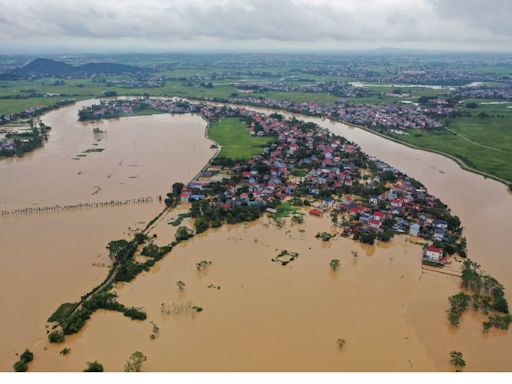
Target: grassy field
(236,143)
(470,136)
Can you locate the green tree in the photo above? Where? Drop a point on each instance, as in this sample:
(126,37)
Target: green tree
(184,233)
(367,237)
(201,224)
(177,188)
(134,363)
(56,337)
(334,264)
(27,356)
(94,367)
(20,366)
(457,360)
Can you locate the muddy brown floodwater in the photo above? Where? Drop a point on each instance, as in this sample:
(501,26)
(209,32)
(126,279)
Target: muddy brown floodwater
(50,258)
(264,316)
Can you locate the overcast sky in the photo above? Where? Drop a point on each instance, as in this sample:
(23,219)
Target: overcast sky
(35,26)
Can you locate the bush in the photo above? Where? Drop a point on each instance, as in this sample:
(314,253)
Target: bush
(27,356)
(56,337)
(386,235)
(457,359)
(458,304)
(367,237)
(20,366)
(94,367)
(501,305)
(184,233)
(135,314)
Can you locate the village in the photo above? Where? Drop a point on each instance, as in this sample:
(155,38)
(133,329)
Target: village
(381,117)
(22,136)
(306,167)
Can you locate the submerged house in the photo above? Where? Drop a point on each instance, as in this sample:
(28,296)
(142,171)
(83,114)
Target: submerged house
(433,254)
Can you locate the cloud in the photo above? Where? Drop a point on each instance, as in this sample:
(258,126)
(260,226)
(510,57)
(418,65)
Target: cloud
(252,23)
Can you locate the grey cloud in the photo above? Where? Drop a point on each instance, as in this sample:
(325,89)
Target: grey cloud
(490,15)
(242,21)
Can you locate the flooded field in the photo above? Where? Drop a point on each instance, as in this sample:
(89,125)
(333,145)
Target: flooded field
(257,314)
(49,258)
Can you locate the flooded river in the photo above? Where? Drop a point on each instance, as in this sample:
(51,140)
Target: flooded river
(257,315)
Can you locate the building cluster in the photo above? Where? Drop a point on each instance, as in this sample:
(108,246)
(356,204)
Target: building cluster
(135,83)
(380,116)
(498,92)
(337,88)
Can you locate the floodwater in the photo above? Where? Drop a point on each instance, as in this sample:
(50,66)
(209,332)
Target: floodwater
(51,258)
(269,317)
(360,84)
(139,156)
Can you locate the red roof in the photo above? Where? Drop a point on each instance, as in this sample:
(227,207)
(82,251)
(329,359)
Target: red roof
(434,249)
(315,212)
(357,209)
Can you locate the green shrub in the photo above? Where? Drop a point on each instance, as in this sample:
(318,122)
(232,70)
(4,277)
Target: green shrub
(56,337)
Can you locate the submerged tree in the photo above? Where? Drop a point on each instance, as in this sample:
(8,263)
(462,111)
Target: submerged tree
(181,285)
(457,360)
(203,264)
(341,343)
(94,367)
(335,264)
(134,363)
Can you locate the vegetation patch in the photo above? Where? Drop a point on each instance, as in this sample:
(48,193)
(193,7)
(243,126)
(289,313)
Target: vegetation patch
(62,312)
(179,219)
(232,134)
(324,236)
(180,309)
(457,360)
(487,296)
(94,366)
(286,209)
(56,337)
(22,364)
(285,257)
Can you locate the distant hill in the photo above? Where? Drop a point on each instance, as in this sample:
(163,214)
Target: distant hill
(48,67)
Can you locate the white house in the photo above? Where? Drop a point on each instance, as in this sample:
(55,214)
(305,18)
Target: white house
(433,254)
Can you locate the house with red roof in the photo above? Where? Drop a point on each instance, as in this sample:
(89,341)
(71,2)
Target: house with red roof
(433,254)
(375,224)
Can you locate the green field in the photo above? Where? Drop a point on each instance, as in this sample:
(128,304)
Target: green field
(236,143)
(494,131)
